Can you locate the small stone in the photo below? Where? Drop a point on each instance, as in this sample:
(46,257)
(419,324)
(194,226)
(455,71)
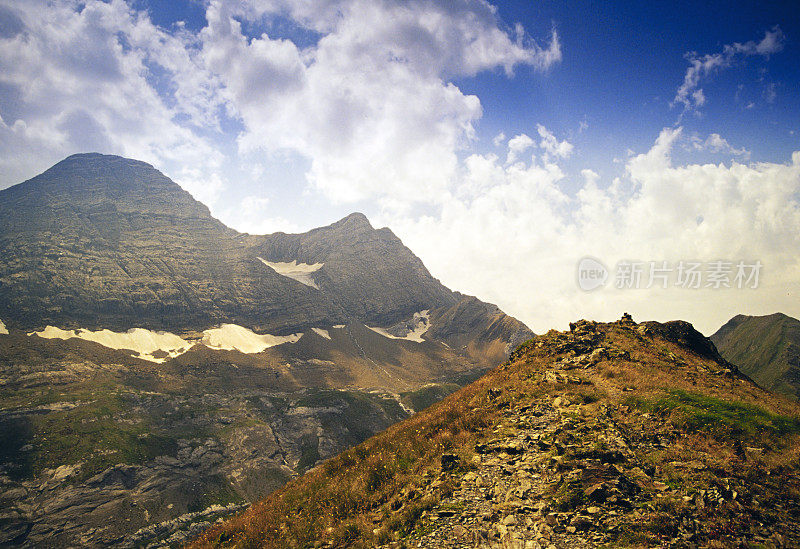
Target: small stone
(593,510)
(449,462)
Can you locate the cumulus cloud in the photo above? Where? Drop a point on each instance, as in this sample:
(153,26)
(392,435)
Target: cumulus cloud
(368,102)
(80,78)
(522,235)
(517,145)
(371,103)
(554,148)
(691,96)
(715,143)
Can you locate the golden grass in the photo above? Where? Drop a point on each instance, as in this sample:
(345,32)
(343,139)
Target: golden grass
(377,491)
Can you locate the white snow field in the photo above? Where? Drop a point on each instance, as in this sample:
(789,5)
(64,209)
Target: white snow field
(228,337)
(421,323)
(323,333)
(144,342)
(300,272)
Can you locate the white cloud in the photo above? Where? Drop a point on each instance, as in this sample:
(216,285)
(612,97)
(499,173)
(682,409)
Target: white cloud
(499,139)
(715,143)
(516,146)
(554,149)
(770,93)
(371,103)
(691,96)
(522,236)
(251,216)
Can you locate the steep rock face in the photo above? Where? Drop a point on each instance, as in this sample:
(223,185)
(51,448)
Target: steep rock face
(766,348)
(103,242)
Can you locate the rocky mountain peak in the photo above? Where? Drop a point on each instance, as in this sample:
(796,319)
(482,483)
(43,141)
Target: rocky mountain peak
(355,220)
(93,182)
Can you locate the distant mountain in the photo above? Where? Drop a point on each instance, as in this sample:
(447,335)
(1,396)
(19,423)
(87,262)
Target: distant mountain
(103,242)
(159,370)
(98,240)
(766,348)
(608,435)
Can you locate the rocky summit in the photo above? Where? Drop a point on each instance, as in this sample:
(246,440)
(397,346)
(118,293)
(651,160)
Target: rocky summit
(159,370)
(607,435)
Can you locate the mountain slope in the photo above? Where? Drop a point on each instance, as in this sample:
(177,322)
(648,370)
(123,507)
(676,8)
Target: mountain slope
(766,348)
(97,240)
(161,369)
(607,435)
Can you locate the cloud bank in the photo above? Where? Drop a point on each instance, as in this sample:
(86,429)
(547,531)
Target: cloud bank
(516,237)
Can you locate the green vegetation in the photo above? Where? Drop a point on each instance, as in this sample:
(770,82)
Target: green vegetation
(358,411)
(708,414)
(216,490)
(94,434)
(309,452)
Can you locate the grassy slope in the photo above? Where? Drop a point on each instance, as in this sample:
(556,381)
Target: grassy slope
(379,490)
(766,348)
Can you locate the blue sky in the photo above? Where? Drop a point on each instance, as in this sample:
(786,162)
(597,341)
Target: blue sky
(502,142)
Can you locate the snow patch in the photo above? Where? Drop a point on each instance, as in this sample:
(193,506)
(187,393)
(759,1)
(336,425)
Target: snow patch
(339,326)
(144,342)
(232,337)
(323,333)
(3,329)
(300,272)
(161,346)
(418,325)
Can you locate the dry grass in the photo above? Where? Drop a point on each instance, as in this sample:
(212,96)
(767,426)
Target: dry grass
(377,491)
(338,500)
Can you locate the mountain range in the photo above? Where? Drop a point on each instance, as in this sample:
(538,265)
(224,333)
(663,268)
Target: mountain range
(159,368)
(165,378)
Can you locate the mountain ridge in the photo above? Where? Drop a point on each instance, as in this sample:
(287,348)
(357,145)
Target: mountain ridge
(766,348)
(608,435)
(121,240)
